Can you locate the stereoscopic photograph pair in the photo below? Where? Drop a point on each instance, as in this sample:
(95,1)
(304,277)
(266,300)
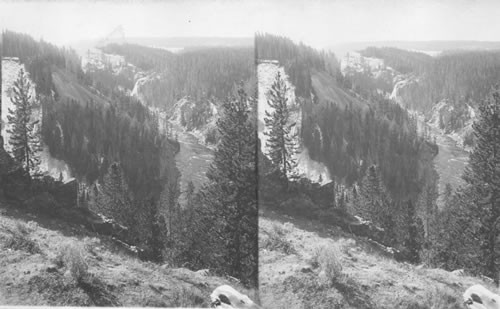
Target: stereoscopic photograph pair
(250,154)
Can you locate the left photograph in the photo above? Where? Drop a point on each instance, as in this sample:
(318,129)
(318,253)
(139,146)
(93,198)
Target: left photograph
(128,172)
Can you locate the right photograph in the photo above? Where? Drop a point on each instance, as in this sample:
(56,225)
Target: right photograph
(379,156)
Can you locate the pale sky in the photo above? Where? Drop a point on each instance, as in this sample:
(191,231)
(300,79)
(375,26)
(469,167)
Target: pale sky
(316,22)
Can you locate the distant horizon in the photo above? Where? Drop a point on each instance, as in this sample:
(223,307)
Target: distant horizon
(339,48)
(317,23)
(234,38)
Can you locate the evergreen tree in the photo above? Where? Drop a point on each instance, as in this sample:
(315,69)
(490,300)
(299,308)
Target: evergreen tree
(414,237)
(156,244)
(374,203)
(281,141)
(25,135)
(483,177)
(448,192)
(190,194)
(453,243)
(231,194)
(116,200)
(372,197)
(430,196)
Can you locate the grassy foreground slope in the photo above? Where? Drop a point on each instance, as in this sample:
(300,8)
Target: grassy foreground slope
(308,265)
(45,261)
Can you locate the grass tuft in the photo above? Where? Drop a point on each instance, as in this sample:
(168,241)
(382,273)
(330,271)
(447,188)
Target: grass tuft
(328,260)
(185,298)
(72,256)
(91,244)
(438,298)
(20,238)
(277,240)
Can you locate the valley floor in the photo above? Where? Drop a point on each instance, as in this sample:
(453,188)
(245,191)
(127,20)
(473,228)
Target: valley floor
(192,160)
(308,265)
(41,259)
(450,162)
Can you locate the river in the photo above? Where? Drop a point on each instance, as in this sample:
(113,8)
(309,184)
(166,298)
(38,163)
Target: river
(450,162)
(192,160)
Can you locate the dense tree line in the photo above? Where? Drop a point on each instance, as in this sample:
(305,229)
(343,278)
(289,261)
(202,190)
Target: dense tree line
(468,76)
(120,151)
(400,60)
(205,73)
(380,155)
(366,84)
(299,60)
(90,136)
(39,57)
(146,58)
(462,77)
(402,226)
(348,140)
(106,80)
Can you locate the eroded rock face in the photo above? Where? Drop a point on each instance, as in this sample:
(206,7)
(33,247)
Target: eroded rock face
(198,116)
(452,116)
(454,119)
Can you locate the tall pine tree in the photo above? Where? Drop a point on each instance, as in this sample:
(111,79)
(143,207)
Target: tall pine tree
(374,203)
(25,134)
(415,234)
(281,141)
(373,198)
(483,177)
(231,194)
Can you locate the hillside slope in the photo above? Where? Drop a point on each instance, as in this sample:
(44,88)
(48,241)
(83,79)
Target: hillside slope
(305,264)
(40,259)
(68,87)
(328,91)
(446,120)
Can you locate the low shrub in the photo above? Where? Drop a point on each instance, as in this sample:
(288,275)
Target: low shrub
(185,298)
(436,299)
(328,260)
(90,244)
(277,241)
(20,238)
(72,257)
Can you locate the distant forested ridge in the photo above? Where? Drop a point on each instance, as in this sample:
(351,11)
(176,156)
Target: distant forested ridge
(401,60)
(299,60)
(39,57)
(203,73)
(460,76)
(146,58)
